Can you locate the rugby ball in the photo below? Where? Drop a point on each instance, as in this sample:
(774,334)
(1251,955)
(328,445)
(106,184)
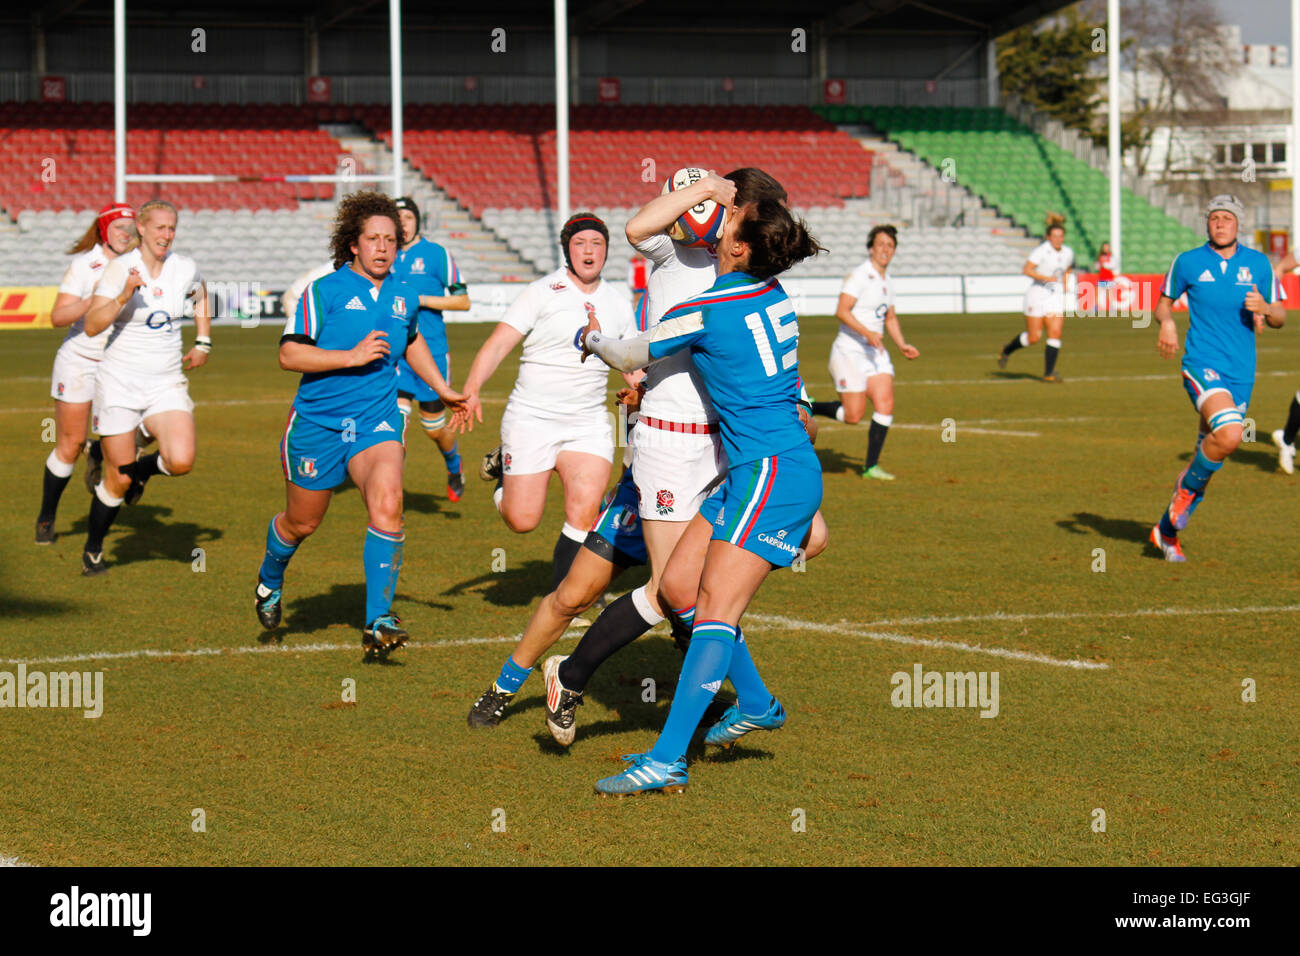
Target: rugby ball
(701,225)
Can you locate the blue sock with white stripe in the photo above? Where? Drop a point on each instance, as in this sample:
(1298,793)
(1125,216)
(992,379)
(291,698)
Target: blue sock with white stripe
(705,667)
(752,694)
(452,458)
(1199,472)
(382,557)
(512,676)
(278,553)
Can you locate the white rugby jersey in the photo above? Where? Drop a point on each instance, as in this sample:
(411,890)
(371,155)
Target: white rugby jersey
(554,382)
(145,339)
(84,273)
(1049,261)
(675,392)
(875,297)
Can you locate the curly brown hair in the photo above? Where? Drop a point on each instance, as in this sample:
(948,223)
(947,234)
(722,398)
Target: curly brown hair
(353,212)
(777,239)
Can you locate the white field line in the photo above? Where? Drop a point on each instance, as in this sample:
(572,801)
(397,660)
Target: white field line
(11,861)
(1073,615)
(855,631)
(963,429)
(1033,380)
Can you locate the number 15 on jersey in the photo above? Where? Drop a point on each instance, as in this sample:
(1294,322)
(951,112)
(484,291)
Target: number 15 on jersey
(771,337)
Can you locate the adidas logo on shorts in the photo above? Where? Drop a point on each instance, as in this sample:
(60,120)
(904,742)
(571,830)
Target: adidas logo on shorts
(355,305)
(712,686)
(383,427)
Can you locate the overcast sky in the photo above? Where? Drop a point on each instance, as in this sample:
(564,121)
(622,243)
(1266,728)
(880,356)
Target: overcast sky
(1261,21)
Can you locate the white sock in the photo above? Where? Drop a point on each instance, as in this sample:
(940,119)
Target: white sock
(58,467)
(110,500)
(642,605)
(1054,343)
(885,420)
(498,495)
(162,467)
(839,414)
(573,534)
(1024,340)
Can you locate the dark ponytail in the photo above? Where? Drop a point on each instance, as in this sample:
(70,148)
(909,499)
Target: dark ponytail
(776,239)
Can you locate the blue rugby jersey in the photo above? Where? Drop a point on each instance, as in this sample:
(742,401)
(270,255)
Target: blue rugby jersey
(1221,330)
(429,269)
(336,312)
(743,337)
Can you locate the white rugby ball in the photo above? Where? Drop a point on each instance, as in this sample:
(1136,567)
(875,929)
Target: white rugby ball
(701,225)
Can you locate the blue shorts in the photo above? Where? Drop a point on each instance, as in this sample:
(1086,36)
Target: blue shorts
(767,506)
(316,457)
(410,384)
(1199,383)
(616,536)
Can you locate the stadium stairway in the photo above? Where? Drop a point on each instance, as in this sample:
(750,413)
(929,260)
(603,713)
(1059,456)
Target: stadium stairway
(1024,176)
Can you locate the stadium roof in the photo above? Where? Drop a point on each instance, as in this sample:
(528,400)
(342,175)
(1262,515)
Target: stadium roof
(610,16)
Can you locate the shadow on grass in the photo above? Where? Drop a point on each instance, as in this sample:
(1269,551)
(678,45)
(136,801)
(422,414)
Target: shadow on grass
(1263,460)
(515,587)
(140,534)
(833,462)
(20,608)
(426,503)
(1015,376)
(1118,529)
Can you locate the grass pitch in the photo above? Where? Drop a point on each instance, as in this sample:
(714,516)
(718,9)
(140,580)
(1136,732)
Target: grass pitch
(1119,690)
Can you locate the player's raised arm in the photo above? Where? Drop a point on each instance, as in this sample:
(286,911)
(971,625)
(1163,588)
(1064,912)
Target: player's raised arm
(662,211)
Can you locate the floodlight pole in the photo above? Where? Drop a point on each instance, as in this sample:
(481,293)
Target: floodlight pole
(395,66)
(1114,140)
(119,100)
(562,109)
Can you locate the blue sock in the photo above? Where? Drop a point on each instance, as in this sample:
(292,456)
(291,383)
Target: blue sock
(705,667)
(382,557)
(752,693)
(687,615)
(1199,472)
(452,458)
(1167,529)
(512,676)
(278,553)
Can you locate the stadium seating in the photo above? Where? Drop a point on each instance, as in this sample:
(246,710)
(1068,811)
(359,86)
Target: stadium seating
(1025,176)
(504,156)
(60,155)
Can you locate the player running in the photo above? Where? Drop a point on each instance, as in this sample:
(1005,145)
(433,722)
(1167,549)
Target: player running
(1049,265)
(555,419)
(860,364)
(743,336)
(1285,437)
(1105,278)
(1226,309)
(429,269)
(73,381)
(350,329)
(143,295)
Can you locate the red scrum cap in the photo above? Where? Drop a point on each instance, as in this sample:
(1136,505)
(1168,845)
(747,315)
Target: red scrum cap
(110,213)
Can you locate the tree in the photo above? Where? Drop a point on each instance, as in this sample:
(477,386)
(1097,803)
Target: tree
(1048,65)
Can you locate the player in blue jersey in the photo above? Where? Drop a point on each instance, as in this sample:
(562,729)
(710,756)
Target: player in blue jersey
(346,336)
(429,269)
(743,338)
(1231,294)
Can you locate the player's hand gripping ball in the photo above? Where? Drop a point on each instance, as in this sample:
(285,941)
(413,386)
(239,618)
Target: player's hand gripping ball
(701,225)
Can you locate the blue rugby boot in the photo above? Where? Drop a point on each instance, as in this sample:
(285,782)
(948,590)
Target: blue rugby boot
(735,725)
(644,776)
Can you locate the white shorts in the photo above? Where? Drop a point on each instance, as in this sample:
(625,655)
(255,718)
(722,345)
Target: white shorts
(675,471)
(74,376)
(1041,301)
(852,363)
(530,445)
(120,406)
